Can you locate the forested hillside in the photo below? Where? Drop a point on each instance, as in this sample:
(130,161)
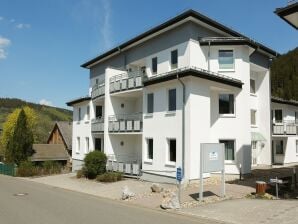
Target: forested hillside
(284,76)
(46,116)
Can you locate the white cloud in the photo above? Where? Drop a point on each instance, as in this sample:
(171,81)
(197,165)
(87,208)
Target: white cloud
(4,42)
(45,102)
(23,26)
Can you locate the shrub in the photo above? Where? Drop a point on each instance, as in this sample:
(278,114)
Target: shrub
(27,169)
(51,167)
(95,164)
(80,173)
(109,177)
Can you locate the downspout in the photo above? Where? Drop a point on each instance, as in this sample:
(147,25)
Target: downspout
(183,126)
(208,55)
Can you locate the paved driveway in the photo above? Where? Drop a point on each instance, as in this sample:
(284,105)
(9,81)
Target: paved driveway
(249,211)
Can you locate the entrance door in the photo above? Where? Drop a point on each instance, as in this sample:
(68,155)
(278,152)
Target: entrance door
(97,145)
(278,151)
(254,153)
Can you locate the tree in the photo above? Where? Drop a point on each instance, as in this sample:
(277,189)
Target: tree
(19,146)
(10,124)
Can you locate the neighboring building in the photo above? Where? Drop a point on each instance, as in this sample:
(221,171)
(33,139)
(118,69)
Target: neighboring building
(62,134)
(289,13)
(154,99)
(284,131)
(49,152)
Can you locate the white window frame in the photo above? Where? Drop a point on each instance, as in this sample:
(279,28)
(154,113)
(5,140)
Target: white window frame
(171,65)
(228,69)
(78,145)
(297,147)
(147,113)
(170,112)
(79,114)
(227,115)
(229,139)
(255,113)
(282,113)
(147,159)
(87,145)
(154,73)
(168,162)
(88,113)
(255,93)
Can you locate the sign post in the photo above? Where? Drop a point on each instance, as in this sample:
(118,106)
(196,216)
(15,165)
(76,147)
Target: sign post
(179,179)
(212,159)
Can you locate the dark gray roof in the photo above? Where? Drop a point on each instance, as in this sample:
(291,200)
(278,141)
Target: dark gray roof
(290,9)
(44,152)
(275,99)
(78,100)
(186,14)
(65,128)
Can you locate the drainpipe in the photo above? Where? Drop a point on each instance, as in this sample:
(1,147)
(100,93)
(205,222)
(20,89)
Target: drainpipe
(208,55)
(183,127)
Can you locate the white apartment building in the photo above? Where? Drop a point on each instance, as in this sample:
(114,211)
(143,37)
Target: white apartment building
(284,131)
(155,98)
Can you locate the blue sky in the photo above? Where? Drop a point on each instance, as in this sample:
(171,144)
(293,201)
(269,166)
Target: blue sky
(43,43)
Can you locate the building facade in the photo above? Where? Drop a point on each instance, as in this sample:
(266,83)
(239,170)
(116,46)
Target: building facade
(154,99)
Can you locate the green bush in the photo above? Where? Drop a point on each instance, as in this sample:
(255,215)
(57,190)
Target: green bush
(27,169)
(80,174)
(51,167)
(109,177)
(94,164)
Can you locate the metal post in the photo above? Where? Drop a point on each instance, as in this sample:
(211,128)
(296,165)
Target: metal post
(295,177)
(276,186)
(201,175)
(179,188)
(240,173)
(223,185)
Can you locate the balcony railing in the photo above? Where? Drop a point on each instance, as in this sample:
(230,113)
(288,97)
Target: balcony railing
(126,81)
(126,123)
(98,90)
(127,164)
(97,125)
(286,127)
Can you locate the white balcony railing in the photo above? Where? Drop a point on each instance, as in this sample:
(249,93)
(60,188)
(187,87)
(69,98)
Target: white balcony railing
(127,164)
(98,90)
(97,125)
(126,123)
(126,81)
(285,127)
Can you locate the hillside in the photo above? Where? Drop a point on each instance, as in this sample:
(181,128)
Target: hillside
(284,76)
(46,115)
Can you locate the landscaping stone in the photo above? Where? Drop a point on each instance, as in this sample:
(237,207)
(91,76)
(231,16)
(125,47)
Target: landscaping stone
(170,201)
(156,188)
(126,193)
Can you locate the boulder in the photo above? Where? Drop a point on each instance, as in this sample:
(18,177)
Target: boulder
(156,188)
(170,201)
(126,193)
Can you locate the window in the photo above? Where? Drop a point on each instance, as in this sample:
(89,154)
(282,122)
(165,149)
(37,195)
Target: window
(229,149)
(149,149)
(226,59)
(278,116)
(279,147)
(78,145)
(87,145)
(172,100)
(253,117)
(254,144)
(150,103)
(172,150)
(296,146)
(88,113)
(252,86)
(174,59)
(296,117)
(79,114)
(226,104)
(96,81)
(98,111)
(154,65)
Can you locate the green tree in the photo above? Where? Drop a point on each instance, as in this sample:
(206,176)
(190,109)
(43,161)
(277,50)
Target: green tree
(19,146)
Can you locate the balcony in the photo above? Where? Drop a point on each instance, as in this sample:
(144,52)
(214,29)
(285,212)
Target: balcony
(126,123)
(98,91)
(127,164)
(97,125)
(286,127)
(126,81)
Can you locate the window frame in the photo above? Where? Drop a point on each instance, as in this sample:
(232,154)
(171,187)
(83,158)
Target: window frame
(154,68)
(78,145)
(234,153)
(172,65)
(79,114)
(255,115)
(150,94)
(283,147)
(88,113)
(255,90)
(234,106)
(297,147)
(168,161)
(282,116)
(168,100)
(226,69)
(147,158)
(87,145)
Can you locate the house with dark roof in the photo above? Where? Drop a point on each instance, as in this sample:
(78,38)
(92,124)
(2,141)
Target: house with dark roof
(153,100)
(289,13)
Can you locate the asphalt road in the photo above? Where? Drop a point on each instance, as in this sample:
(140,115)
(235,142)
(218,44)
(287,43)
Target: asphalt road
(43,204)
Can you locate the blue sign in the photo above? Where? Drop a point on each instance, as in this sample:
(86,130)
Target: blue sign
(179,174)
